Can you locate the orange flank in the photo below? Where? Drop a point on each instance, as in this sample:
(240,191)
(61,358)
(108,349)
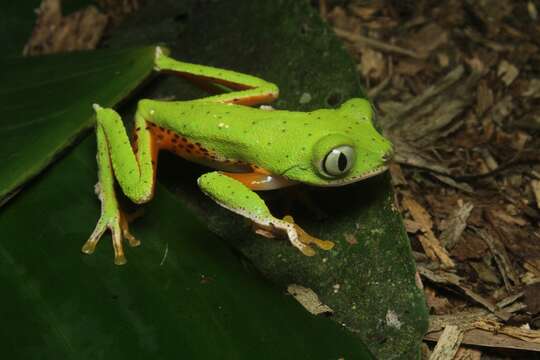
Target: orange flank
(250,175)
(166,139)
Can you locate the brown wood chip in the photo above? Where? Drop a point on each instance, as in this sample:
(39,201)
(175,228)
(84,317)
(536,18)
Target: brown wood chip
(429,242)
(456,223)
(448,343)
(54,33)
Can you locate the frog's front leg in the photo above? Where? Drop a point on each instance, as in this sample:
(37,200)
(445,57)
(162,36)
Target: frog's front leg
(133,168)
(237,197)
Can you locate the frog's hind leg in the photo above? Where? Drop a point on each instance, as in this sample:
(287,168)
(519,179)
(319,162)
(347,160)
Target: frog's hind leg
(261,179)
(243,89)
(134,168)
(236,196)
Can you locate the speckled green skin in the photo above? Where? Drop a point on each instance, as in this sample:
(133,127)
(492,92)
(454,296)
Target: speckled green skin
(288,144)
(226,190)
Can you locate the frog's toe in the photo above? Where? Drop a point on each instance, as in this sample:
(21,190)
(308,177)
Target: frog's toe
(307,250)
(119,257)
(271,227)
(90,245)
(118,226)
(124,226)
(291,229)
(324,244)
(132,240)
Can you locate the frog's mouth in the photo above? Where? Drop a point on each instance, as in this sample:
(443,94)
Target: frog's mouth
(355,178)
(350,179)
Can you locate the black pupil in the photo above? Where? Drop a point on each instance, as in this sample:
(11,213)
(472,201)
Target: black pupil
(342,162)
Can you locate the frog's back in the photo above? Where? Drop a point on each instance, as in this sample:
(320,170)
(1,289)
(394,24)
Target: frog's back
(241,133)
(237,124)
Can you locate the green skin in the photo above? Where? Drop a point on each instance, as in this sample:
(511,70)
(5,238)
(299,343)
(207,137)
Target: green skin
(328,147)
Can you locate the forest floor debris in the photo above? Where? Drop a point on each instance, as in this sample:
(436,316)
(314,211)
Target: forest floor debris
(457,88)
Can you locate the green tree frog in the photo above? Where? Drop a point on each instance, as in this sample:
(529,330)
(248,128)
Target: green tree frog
(250,148)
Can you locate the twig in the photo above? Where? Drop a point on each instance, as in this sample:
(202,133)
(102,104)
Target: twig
(515,161)
(510,299)
(379,45)
(437,169)
(446,278)
(376,90)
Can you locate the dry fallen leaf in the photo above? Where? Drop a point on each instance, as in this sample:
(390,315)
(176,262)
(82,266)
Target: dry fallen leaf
(54,33)
(454,226)
(373,64)
(437,304)
(308,299)
(429,242)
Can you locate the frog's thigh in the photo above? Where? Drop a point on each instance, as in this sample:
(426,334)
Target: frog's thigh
(235,196)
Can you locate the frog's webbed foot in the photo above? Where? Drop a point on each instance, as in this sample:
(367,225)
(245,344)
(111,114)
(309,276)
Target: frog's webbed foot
(119,229)
(307,239)
(297,236)
(116,221)
(235,196)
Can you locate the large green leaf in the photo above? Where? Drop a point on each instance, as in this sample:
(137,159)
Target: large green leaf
(45,103)
(183,294)
(17,20)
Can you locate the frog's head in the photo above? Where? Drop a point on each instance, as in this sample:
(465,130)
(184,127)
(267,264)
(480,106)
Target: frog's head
(350,150)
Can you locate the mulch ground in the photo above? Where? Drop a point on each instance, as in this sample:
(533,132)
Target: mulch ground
(457,88)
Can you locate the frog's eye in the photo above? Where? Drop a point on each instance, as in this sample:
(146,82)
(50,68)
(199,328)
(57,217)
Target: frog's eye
(338,161)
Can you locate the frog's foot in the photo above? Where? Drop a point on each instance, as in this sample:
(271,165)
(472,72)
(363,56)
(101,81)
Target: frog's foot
(234,195)
(307,239)
(297,236)
(118,224)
